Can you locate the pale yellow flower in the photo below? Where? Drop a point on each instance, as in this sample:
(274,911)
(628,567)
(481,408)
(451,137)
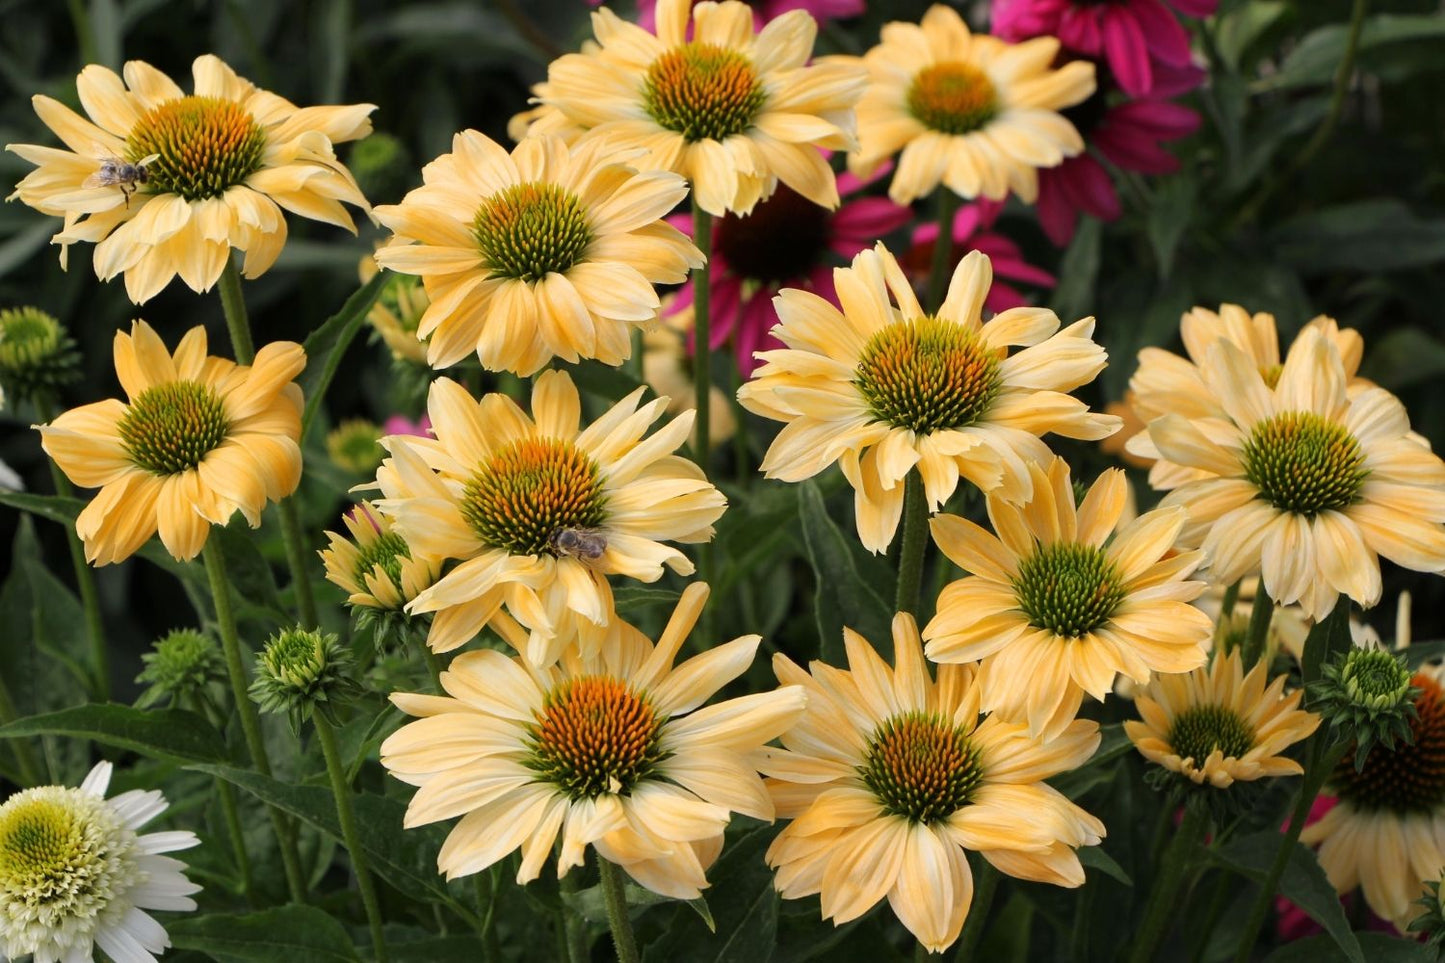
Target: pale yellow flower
(1219,725)
(539,511)
(890,777)
(375,564)
(882,388)
(216,169)
(200,439)
(974,112)
(397,313)
(1304,482)
(547,252)
(1387,833)
(608,750)
(1054,607)
(731,111)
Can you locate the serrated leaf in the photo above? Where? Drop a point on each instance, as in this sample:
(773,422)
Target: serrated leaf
(844,595)
(296,934)
(172,734)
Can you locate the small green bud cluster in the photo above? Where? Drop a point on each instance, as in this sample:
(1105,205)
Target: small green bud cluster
(1365,694)
(179,667)
(301,670)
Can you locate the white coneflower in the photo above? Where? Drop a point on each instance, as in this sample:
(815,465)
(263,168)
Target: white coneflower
(75,875)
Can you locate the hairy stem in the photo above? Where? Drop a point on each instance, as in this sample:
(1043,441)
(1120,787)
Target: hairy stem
(346,814)
(915,541)
(942,249)
(617,919)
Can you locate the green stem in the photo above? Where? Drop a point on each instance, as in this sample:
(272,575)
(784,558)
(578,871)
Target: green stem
(1163,899)
(1226,610)
(341,789)
(434,663)
(742,460)
(1259,619)
(985,887)
(1223,889)
(232,815)
(942,249)
(702,333)
(616,900)
(1318,766)
(84,34)
(915,540)
(574,937)
(29,772)
(250,722)
(633,365)
(233,305)
(84,580)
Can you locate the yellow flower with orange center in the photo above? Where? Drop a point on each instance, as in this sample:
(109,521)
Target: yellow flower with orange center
(539,512)
(883,387)
(890,778)
(200,439)
(165,183)
(731,111)
(976,113)
(607,750)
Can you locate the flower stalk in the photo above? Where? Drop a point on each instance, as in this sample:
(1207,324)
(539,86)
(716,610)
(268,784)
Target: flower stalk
(1164,900)
(938,273)
(617,920)
(915,540)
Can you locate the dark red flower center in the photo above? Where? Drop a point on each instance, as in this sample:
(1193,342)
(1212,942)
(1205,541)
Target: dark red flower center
(783,239)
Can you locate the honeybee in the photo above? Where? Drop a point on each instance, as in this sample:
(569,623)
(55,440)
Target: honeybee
(588,543)
(116,172)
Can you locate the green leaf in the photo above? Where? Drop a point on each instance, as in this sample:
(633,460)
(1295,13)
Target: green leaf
(591,902)
(1303,883)
(1377,947)
(171,734)
(1078,272)
(744,906)
(641,596)
(1317,56)
(1418,653)
(1328,637)
(1376,235)
(1098,770)
(603,380)
(439,949)
(1237,31)
(1094,857)
(53,507)
(327,344)
(1170,217)
(847,593)
(296,934)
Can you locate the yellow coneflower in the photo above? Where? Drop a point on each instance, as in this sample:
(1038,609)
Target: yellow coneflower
(165,183)
(200,439)
(974,112)
(608,750)
(890,777)
(1055,608)
(544,252)
(540,511)
(882,387)
(732,111)
(397,313)
(375,564)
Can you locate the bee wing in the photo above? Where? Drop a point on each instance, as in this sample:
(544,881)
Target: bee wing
(98,179)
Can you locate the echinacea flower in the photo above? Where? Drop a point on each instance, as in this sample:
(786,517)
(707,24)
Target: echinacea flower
(1055,608)
(397,313)
(539,511)
(1301,480)
(1220,725)
(1387,834)
(973,231)
(546,252)
(731,111)
(200,439)
(165,183)
(375,564)
(970,111)
(76,876)
(1135,37)
(787,241)
(882,387)
(890,778)
(765,10)
(608,750)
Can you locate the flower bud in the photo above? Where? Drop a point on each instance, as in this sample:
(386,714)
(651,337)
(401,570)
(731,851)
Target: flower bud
(355,446)
(1366,694)
(299,670)
(179,667)
(37,356)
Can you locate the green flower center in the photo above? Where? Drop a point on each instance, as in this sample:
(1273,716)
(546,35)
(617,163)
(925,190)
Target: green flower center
(203,146)
(921,766)
(27,335)
(355,445)
(1068,589)
(526,493)
(1410,778)
(594,735)
(171,427)
(1199,731)
(63,857)
(1374,679)
(927,375)
(703,92)
(183,661)
(952,98)
(528,231)
(388,551)
(1304,464)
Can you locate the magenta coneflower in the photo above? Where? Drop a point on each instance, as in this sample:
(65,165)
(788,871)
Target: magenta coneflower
(972,232)
(784,243)
(1129,135)
(1134,37)
(765,10)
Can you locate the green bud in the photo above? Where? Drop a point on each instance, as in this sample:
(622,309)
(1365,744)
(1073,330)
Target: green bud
(179,666)
(37,356)
(1365,694)
(382,166)
(299,670)
(355,446)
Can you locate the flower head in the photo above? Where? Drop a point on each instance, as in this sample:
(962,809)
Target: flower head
(77,877)
(1366,693)
(973,112)
(166,183)
(179,666)
(731,111)
(1220,725)
(381,573)
(881,387)
(300,671)
(38,356)
(611,750)
(1055,608)
(1302,480)
(200,439)
(890,777)
(539,511)
(544,252)
(397,313)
